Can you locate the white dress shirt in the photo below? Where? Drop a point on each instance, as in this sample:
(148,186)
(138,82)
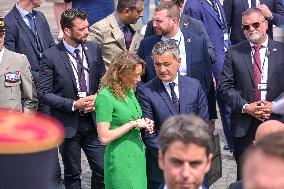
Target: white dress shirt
(180,42)
(23,14)
(167,86)
(73,63)
(264,52)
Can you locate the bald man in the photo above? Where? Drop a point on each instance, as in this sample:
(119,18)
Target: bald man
(268,127)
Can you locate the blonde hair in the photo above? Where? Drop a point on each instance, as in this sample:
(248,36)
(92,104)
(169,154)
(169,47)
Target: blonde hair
(120,72)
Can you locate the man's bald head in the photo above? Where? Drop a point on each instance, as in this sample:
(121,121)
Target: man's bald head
(268,127)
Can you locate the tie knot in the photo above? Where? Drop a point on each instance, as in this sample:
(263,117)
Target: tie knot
(77,52)
(172,85)
(257,47)
(29,15)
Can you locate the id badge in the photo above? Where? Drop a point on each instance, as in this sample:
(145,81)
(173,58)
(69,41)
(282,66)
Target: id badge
(82,94)
(226,36)
(262,86)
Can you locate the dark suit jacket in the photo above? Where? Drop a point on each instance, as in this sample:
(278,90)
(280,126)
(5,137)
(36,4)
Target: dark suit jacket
(236,85)
(197,62)
(201,10)
(157,105)
(236,185)
(192,25)
(57,83)
(19,37)
(235,8)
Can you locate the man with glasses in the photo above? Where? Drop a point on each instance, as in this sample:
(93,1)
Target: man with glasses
(115,33)
(272,10)
(251,80)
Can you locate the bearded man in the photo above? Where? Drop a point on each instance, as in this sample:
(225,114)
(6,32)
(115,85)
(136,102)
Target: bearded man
(252,80)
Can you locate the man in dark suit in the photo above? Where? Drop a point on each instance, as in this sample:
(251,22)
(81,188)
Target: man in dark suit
(27,32)
(187,23)
(184,140)
(212,14)
(166,95)
(195,61)
(69,78)
(251,80)
(273,11)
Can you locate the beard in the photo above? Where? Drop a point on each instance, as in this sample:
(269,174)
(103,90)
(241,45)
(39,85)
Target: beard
(255,37)
(81,40)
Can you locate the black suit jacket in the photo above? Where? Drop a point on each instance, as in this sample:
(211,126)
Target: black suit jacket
(197,62)
(192,25)
(233,11)
(57,83)
(236,85)
(19,37)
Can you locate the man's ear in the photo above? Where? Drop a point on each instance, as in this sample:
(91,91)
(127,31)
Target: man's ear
(161,160)
(209,162)
(67,31)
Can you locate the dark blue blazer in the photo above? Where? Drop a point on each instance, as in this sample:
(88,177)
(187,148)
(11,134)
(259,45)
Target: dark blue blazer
(197,62)
(19,37)
(57,86)
(234,8)
(201,10)
(157,105)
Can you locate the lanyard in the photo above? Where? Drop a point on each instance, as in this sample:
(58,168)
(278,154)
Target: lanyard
(78,72)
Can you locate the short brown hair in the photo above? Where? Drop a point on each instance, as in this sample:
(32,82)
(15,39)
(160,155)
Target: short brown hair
(171,7)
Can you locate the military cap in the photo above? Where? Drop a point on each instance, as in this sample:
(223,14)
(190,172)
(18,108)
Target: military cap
(2,25)
(28,150)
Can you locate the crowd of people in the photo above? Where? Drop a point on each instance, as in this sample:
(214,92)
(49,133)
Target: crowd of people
(143,108)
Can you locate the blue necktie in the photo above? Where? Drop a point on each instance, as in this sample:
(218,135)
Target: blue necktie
(31,22)
(253,3)
(174,96)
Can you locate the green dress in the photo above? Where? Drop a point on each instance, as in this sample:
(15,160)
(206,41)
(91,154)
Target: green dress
(124,158)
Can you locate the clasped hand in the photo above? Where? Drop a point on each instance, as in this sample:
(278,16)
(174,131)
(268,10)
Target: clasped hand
(146,123)
(85,104)
(261,110)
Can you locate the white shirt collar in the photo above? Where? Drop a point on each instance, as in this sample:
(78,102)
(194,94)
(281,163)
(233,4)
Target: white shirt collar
(264,44)
(22,12)
(70,48)
(166,83)
(177,37)
(1,54)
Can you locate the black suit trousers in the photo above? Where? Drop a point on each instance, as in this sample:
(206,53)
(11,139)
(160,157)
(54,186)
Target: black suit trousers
(87,139)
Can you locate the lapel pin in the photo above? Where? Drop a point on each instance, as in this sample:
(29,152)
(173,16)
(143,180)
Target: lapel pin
(185,24)
(188,40)
(274,49)
(86,48)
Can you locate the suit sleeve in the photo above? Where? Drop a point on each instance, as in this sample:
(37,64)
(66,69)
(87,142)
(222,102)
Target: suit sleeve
(141,54)
(10,37)
(147,112)
(278,13)
(228,9)
(226,87)
(202,105)
(28,87)
(193,9)
(45,87)
(51,40)
(96,34)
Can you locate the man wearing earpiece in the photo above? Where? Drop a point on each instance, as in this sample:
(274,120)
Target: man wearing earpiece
(251,80)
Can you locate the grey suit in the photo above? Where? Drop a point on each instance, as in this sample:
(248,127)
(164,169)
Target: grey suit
(108,34)
(16,83)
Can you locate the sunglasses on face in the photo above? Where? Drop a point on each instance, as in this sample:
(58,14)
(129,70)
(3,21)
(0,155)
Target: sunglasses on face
(255,25)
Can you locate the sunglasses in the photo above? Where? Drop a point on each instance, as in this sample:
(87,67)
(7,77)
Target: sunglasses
(255,25)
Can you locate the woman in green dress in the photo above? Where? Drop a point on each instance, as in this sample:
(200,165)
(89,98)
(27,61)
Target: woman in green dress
(118,117)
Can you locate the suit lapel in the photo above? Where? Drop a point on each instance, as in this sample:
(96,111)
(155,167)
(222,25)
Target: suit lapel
(246,54)
(5,63)
(64,58)
(182,95)
(117,33)
(245,3)
(188,50)
(165,96)
(39,29)
(271,59)
(26,29)
(209,9)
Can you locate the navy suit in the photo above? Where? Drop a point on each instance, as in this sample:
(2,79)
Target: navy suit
(235,8)
(58,89)
(197,62)
(237,88)
(215,27)
(20,38)
(157,105)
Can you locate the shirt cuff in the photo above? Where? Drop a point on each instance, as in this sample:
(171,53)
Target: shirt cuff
(243,109)
(73,107)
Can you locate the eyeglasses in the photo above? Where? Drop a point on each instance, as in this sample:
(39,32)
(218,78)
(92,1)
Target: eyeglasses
(255,25)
